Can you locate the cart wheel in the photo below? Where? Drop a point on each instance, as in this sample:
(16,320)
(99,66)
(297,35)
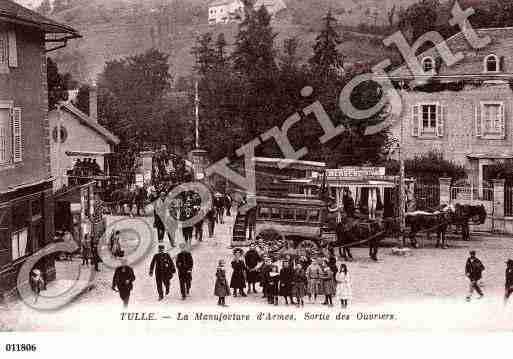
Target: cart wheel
(308,245)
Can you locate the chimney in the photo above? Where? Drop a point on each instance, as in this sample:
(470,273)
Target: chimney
(93,102)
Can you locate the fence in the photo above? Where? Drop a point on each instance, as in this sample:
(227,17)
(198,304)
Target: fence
(427,196)
(470,193)
(508,201)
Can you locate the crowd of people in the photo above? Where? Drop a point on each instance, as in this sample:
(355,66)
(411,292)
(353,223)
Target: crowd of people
(292,278)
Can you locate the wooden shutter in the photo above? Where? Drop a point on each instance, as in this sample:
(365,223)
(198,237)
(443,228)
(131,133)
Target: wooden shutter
(13,50)
(478,120)
(503,121)
(440,119)
(501,64)
(17,135)
(415,116)
(438,64)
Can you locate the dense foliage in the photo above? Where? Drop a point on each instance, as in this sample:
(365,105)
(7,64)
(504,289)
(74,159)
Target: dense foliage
(428,167)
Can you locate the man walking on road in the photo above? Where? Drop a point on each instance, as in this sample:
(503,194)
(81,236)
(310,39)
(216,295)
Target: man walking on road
(123,281)
(509,280)
(184,263)
(473,270)
(164,270)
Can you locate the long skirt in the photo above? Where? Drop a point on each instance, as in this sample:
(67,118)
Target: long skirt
(315,287)
(299,289)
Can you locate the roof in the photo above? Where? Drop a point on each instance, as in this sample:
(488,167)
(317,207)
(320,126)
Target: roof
(273,162)
(15,13)
(502,40)
(220,2)
(89,122)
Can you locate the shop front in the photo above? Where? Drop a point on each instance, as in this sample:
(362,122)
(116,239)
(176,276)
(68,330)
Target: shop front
(26,226)
(73,209)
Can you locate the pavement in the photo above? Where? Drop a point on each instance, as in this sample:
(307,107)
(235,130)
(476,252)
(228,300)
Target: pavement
(425,291)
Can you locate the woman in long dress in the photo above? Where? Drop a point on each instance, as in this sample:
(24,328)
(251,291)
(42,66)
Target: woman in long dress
(313,274)
(238,280)
(344,290)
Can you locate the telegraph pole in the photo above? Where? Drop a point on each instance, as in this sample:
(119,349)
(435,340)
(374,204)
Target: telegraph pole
(402,192)
(196,115)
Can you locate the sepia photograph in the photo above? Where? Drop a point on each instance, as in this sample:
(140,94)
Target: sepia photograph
(198,167)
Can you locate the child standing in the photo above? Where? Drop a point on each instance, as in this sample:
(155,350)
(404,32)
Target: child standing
(299,284)
(37,283)
(274,279)
(86,250)
(221,288)
(328,284)
(343,286)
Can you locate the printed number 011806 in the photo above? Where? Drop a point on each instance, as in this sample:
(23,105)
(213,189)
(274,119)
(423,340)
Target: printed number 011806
(20,348)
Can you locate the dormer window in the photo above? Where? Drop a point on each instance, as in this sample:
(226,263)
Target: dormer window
(428,65)
(491,63)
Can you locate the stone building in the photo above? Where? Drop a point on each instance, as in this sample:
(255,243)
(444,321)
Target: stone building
(465,110)
(26,200)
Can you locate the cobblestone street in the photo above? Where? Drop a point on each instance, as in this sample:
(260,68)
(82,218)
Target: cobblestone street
(425,290)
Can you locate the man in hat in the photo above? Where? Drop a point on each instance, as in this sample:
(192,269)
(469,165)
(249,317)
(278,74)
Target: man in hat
(122,281)
(252,259)
(509,280)
(184,263)
(158,211)
(164,269)
(473,270)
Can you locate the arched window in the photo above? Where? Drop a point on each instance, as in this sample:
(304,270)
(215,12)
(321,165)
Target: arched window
(491,63)
(428,65)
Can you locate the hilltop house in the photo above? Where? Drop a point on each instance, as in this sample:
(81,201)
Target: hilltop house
(26,194)
(465,110)
(226,11)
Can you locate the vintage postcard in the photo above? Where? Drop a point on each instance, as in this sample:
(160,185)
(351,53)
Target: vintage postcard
(202,166)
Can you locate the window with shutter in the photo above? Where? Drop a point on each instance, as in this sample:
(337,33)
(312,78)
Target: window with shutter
(492,118)
(479,126)
(428,118)
(5,138)
(415,120)
(13,50)
(442,115)
(17,135)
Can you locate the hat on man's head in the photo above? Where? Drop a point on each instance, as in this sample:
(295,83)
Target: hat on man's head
(161,246)
(472,252)
(509,262)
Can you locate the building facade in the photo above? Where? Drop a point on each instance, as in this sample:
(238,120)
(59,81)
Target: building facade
(464,111)
(226,11)
(26,201)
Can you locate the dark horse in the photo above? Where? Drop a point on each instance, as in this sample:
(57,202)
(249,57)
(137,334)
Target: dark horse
(465,214)
(351,232)
(430,222)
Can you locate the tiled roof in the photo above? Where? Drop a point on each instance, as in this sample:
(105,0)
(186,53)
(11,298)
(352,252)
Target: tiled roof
(13,12)
(501,45)
(86,120)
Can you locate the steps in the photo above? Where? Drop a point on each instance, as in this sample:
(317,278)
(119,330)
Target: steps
(239,229)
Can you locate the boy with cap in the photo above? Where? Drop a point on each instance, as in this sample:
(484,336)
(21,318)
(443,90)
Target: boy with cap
(473,270)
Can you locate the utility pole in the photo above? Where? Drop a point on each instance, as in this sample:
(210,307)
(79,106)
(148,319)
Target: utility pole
(196,114)
(402,192)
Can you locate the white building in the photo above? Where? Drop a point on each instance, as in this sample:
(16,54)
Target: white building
(225,11)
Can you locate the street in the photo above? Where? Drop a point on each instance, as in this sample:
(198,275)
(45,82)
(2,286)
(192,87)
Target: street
(428,285)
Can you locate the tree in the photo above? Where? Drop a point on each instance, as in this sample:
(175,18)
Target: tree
(289,60)
(57,84)
(420,18)
(131,96)
(82,100)
(45,8)
(327,59)
(254,54)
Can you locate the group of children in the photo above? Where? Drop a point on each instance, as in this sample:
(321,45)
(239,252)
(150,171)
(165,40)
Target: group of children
(292,279)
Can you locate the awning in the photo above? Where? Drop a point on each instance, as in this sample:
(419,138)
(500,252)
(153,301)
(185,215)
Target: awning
(71,194)
(498,156)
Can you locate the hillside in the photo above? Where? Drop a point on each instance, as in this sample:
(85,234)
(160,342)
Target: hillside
(117,28)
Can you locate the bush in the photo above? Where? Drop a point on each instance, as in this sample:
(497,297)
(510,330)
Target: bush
(429,167)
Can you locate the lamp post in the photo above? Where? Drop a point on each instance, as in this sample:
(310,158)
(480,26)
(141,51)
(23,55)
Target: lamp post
(402,192)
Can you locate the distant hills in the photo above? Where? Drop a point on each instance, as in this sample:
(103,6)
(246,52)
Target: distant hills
(118,28)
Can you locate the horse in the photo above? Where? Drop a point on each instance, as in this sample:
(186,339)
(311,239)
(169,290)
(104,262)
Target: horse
(464,214)
(351,232)
(437,222)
